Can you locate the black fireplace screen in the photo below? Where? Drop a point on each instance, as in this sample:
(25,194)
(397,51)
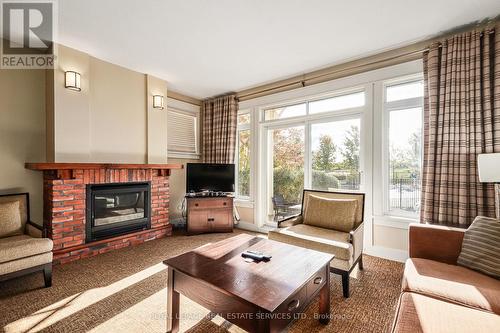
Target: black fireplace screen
(115,209)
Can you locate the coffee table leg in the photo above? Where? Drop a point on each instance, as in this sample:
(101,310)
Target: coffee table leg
(172,304)
(324,300)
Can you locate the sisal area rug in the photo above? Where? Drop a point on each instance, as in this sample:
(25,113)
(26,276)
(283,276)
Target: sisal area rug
(124,291)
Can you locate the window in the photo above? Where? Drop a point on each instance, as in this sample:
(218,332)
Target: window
(335,155)
(285,112)
(403,108)
(286,169)
(182,133)
(338,103)
(243,155)
(319,148)
(335,103)
(402,91)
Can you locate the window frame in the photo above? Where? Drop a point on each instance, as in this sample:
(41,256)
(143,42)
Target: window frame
(371,137)
(239,128)
(307,120)
(387,108)
(307,100)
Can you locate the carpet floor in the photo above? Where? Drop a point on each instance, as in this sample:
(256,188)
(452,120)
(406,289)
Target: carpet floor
(124,291)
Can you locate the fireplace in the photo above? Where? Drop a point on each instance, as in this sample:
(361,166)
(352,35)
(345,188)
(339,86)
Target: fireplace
(117,209)
(134,211)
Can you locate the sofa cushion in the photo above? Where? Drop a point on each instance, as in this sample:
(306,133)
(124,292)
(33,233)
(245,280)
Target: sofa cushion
(336,214)
(10,219)
(359,197)
(16,247)
(421,314)
(23,263)
(314,238)
(480,247)
(452,283)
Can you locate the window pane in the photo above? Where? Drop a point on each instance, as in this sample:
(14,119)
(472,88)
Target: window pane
(405,91)
(244,119)
(285,112)
(244,163)
(335,155)
(338,103)
(405,133)
(287,169)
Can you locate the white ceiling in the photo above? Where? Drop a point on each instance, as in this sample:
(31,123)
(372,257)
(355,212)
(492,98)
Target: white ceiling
(208,47)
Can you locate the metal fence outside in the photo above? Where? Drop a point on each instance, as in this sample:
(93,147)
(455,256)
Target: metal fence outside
(404,193)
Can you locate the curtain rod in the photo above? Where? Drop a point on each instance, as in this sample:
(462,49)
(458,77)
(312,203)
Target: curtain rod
(307,81)
(324,75)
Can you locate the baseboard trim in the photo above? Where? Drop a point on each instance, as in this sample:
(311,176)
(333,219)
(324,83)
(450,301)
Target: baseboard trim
(387,253)
(249,226)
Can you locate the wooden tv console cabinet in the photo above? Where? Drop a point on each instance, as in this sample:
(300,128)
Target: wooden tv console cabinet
(209,214)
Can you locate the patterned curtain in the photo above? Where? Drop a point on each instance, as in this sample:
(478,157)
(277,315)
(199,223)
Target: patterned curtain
(461,120)
(219,129)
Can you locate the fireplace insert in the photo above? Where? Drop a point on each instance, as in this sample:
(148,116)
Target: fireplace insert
(117,209)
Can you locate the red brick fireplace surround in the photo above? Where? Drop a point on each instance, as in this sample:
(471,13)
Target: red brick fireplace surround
(64,193)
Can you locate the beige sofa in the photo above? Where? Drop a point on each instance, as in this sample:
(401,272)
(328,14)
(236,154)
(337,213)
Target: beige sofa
(23,250)
(439,296)
(346,246)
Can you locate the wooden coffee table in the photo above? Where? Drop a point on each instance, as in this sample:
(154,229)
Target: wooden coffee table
(258,297)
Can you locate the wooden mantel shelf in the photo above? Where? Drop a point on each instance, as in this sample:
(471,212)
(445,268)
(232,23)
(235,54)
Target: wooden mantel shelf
(66,170)
(89,166)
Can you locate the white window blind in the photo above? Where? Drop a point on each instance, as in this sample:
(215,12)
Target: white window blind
(182,133)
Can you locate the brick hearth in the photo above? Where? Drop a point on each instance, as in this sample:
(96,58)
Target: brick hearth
(64,206)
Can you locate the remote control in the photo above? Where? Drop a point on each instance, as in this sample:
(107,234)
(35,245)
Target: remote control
(256,256)
(265,256)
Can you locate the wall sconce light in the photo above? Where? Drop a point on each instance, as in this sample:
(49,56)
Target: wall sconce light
(158,102)
(72,80)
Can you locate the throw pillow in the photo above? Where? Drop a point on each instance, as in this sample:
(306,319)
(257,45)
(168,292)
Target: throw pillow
(481,246)
(336,214)
(10,219)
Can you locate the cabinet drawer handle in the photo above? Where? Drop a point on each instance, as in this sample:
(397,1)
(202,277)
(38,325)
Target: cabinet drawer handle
(293,305)
(196,204)
(225,203)
(318,280)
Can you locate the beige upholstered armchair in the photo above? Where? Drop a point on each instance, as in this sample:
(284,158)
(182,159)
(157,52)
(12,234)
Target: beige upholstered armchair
(330,222)
(23,248)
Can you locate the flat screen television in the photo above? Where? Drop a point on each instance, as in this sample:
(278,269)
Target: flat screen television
(209,177)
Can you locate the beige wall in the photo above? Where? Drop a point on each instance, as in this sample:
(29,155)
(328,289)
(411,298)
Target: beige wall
(22,134)
(118,117)
(246,214)
(390,237)
(71,114)
(178,187)
(111,119)
(157,135)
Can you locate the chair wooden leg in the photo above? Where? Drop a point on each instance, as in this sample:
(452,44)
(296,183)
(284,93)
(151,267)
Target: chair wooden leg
(47,275)
(345,284)
(360,262)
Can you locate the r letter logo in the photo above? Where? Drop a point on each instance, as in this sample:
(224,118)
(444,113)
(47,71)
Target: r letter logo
(27,35)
